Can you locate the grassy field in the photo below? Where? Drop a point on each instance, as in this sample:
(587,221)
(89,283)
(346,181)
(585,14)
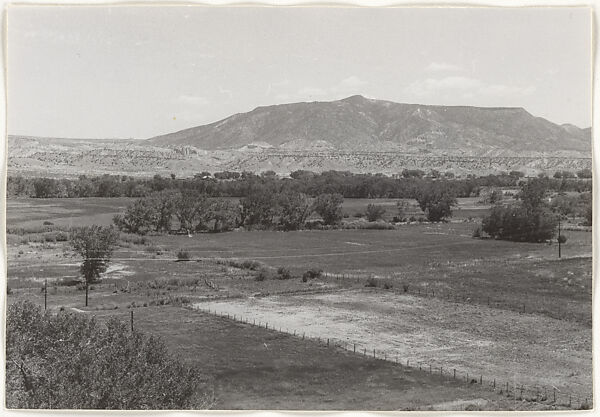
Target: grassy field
(474,339)
(486,306)
(254,368)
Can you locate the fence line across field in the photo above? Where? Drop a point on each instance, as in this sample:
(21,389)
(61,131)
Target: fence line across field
(537,393)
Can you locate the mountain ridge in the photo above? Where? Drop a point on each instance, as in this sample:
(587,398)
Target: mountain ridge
(357,123)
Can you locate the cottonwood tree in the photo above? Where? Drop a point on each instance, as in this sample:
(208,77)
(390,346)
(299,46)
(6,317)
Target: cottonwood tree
(163,203)
(188,207)
(529,221)
(329,207)
(140,217)
(95,244)
(436,201)
(259,207)
(374,212)
(223,213)
(295,208)
(70,361)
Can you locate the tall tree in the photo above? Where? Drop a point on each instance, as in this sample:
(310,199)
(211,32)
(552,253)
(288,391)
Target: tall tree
(95,244)
(294,210)
(436,200)
(329,207)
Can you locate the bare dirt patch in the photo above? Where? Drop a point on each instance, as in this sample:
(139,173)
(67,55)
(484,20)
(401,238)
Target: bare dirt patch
(526,349)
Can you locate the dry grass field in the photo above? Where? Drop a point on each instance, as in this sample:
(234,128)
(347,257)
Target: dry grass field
(504,310)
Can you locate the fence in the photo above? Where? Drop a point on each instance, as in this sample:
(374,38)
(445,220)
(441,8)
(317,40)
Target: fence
(538,393)
(444,294)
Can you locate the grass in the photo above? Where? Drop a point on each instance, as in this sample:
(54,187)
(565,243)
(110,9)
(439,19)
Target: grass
(255,368)
(440,262)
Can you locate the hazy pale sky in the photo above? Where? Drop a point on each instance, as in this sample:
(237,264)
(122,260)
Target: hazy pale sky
(103,72)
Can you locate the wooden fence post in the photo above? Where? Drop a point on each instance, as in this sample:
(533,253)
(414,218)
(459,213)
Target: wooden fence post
(454,374)
(354,347)
(132,320)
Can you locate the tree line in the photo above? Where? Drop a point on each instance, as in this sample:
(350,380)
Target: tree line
(240,184)
(264,207)
(195,211)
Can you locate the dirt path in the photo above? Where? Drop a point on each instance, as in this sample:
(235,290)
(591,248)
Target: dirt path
(519,348)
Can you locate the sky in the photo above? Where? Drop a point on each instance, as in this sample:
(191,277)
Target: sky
(138,72)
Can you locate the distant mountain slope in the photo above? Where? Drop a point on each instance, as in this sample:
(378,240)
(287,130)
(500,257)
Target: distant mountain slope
(360,124)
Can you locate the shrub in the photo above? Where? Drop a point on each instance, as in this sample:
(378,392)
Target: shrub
(359,214)
(183,255)
(374,212)
(371,282)
(245,264)
(70,361)
(312,274)
(405,287)
(153,249)
(48,223)
(562,239)
(263,275)
(477,232)
(329,207)
(517,224)
(283,273)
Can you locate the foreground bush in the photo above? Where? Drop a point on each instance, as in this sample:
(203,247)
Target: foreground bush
(68,361)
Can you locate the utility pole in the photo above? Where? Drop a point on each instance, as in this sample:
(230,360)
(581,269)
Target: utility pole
(559,238)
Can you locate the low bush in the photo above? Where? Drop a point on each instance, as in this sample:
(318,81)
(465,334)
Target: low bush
(283,273)
(245,264)
(562,239)
(312,274)
(153,249)
(48,223)
(183,255)
(263,274)
(371,282)
(476,232)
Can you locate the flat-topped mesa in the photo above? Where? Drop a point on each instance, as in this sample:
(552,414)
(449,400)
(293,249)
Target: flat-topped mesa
(357,123)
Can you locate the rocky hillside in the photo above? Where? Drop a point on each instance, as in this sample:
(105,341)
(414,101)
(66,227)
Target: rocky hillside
(358,124)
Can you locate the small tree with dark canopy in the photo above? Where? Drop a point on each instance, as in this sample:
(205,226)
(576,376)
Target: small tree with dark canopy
(529,221)
(329,207)
(71,361)
(294,210)
(436,201)
(374,212)
(95,245)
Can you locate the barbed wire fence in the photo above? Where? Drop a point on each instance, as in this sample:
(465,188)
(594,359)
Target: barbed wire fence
(549,395)
(443,294)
